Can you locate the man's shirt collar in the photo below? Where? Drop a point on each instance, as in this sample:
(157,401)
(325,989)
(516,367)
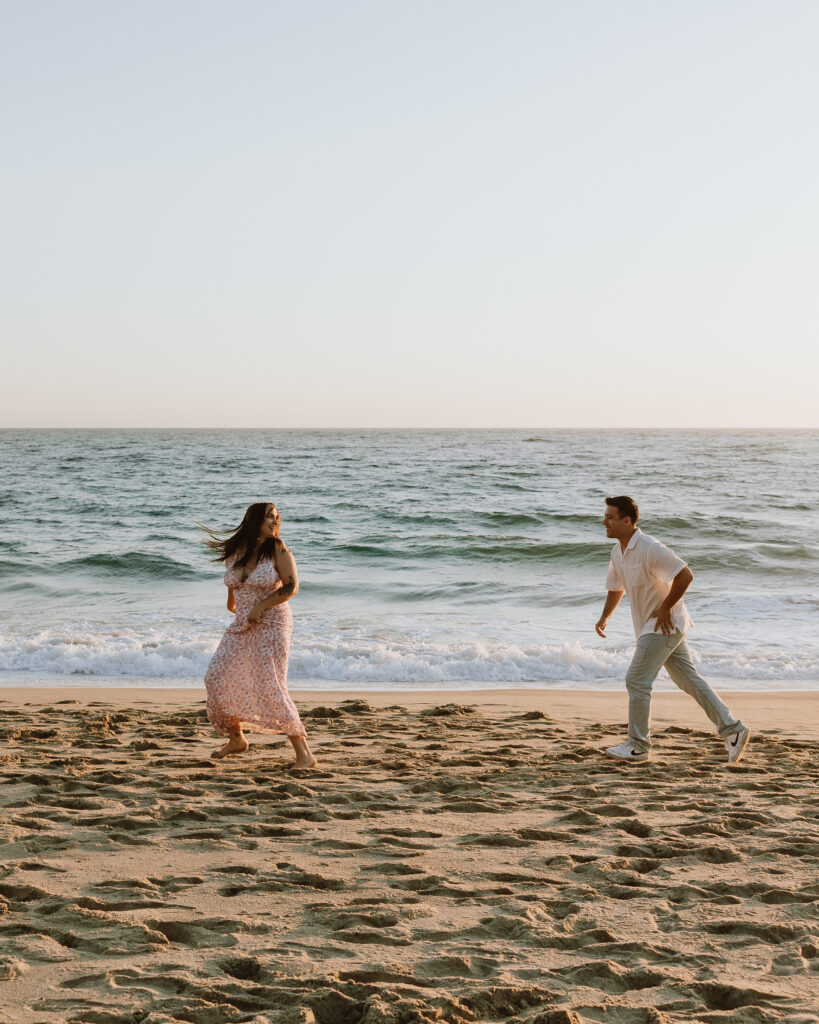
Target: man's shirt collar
(633,542)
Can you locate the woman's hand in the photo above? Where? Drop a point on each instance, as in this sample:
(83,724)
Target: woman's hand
(255,613)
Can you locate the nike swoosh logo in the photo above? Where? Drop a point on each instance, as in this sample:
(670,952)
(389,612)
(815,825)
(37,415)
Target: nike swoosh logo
(735,741)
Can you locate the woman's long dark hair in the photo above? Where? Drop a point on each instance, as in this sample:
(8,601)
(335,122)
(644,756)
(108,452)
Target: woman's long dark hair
(243,540)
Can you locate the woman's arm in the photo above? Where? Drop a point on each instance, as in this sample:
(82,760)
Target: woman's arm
(286,567)
(231,601)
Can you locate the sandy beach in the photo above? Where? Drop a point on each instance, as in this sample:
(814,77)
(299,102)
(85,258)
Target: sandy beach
(465,857)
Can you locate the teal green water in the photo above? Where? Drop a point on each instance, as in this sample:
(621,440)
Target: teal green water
(428,559)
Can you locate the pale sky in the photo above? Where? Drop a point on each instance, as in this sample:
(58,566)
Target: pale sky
(531,213)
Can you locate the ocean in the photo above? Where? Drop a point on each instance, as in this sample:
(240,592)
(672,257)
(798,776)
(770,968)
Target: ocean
(428,559)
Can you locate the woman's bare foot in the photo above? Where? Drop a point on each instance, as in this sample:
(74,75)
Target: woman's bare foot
(304,755)
(303,764)
(235,745)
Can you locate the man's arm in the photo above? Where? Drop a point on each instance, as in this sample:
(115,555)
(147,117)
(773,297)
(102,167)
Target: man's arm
(679,585)
(612,600)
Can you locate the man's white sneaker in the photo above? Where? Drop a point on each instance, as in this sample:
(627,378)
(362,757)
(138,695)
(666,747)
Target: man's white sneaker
(736,744)
(627,752)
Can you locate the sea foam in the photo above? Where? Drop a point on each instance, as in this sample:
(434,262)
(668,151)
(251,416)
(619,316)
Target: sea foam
(183,653)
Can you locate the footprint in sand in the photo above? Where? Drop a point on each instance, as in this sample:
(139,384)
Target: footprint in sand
(206,932)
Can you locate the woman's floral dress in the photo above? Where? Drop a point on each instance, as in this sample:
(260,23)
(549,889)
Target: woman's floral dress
(246,680)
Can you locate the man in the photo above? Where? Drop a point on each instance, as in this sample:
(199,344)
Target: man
(655,580)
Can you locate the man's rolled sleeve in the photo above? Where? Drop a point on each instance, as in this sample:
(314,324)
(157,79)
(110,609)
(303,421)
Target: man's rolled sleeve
(663,564)
(613,579)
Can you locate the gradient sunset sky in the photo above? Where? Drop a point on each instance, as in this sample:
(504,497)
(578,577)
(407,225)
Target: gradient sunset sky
(422,214)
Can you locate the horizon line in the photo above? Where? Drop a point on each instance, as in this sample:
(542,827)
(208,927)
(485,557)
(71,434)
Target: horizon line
(316,429)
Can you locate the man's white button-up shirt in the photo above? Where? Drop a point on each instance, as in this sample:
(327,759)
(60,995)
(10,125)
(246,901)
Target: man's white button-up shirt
(645,571)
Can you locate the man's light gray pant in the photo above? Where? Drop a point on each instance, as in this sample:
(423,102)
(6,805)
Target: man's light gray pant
(653,651)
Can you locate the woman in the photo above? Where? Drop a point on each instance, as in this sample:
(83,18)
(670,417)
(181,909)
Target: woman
(246,680)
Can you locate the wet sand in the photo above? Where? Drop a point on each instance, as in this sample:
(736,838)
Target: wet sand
(468,858)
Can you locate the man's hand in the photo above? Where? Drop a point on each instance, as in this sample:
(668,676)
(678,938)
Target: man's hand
(612,600)
(664,623)
(679,585)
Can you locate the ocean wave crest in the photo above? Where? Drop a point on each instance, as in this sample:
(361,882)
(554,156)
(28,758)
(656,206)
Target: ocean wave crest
(133,564)
(481,549)
(183,652)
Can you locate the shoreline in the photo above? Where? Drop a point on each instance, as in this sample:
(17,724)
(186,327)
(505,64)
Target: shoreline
(793,711)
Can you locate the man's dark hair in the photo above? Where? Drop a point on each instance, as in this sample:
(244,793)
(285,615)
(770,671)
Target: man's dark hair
(625,506)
